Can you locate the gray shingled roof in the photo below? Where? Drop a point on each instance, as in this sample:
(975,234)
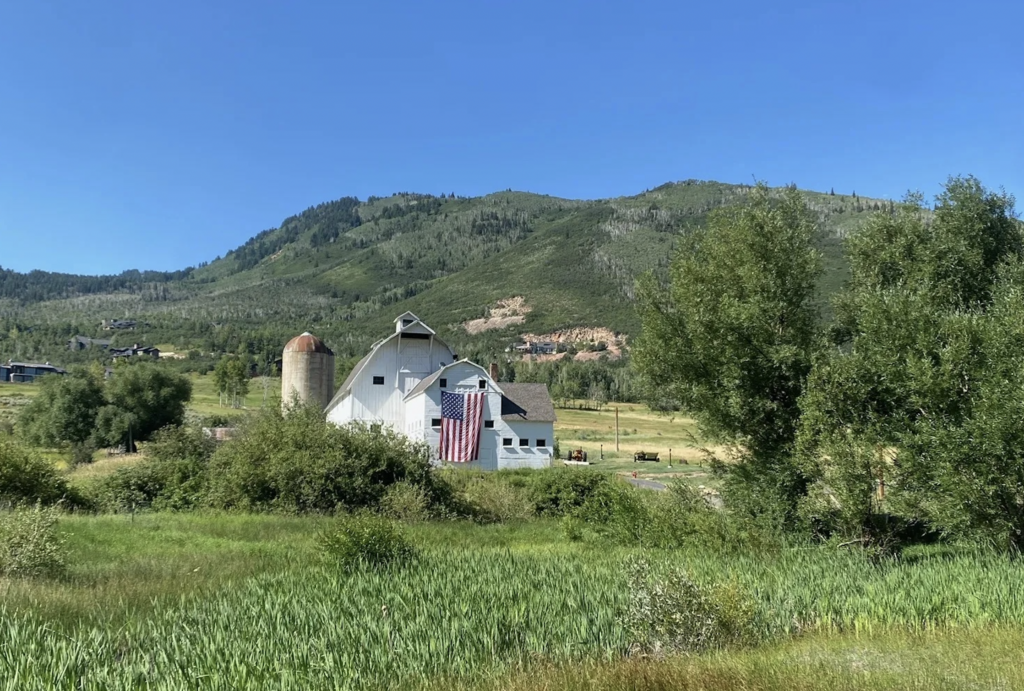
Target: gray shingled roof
(424,383)
(529,402)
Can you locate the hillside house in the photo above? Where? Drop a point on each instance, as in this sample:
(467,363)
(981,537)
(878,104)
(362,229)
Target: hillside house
(533,348)
(414,382)
(118,324)
(26,372)
(135,351)
(83,342)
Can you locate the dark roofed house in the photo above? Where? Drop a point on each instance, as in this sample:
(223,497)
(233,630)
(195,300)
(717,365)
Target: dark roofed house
(83,342)
(118,324)
(133,351)
(26,372)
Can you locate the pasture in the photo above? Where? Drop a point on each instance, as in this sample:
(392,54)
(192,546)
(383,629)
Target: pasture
(671,435)
(244,602)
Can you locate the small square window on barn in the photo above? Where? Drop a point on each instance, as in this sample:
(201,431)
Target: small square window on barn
(489,424)
(378,381)
(482,384)
(435,422)
(444,383)
(524,442)
(542,442)
(507,441)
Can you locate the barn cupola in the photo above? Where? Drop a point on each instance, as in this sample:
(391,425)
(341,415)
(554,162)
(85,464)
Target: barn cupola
(404,321)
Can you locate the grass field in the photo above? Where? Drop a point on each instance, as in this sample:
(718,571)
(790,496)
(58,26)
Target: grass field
(12,398)
(205,400)
(167,601)
(670,435)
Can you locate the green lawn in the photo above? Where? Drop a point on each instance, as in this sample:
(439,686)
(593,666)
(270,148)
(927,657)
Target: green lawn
(206,401)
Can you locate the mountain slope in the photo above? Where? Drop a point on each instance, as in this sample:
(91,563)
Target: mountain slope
(346,268)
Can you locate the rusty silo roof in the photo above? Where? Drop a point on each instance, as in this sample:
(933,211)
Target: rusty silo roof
(307,343)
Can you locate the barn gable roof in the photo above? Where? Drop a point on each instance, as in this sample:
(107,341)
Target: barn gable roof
(346,387)
(427,381)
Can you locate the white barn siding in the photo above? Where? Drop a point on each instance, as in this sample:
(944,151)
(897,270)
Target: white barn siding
(403,363)
(530,456)
(464,377)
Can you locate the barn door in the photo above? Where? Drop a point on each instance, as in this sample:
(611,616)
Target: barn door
(409,382)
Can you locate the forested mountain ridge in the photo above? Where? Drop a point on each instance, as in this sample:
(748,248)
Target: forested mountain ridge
(345,268)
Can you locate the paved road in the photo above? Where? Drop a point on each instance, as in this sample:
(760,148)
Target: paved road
(647,484)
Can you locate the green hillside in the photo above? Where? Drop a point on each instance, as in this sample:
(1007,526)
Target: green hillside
(345,268)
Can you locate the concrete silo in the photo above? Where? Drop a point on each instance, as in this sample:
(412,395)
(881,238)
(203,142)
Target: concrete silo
(307,370)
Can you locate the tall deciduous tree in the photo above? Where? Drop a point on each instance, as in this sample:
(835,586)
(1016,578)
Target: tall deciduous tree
(732,335)
(232,379)
(142,398)
(918,368)
(64,411)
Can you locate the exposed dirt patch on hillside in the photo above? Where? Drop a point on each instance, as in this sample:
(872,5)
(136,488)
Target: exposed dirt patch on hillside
(504,313)
(590,343)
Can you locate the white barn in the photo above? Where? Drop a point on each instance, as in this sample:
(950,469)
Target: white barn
(400,382)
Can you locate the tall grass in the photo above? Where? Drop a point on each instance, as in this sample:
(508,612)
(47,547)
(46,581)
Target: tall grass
(482,602)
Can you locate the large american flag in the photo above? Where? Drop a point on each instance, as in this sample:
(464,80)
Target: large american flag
(461,414)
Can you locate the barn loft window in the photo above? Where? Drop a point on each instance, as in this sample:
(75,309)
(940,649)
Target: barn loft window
(378,381)
(435,422)
(482,384)
(406,322)
(444,383)
(507,441)
(542,442)
(489,424)
(524,442)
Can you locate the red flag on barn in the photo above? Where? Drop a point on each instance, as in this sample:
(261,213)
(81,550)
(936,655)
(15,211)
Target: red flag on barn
(460,426)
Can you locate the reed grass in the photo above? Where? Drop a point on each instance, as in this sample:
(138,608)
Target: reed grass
(242,602)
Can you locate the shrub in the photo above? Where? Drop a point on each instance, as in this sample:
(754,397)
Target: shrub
(493,500)
(677,517)
(365,540)
(81,454)
(172,476)
(301,463)
(30,545)
(670,613)
(573,528)
(405,502)
(27,479)
(562,491)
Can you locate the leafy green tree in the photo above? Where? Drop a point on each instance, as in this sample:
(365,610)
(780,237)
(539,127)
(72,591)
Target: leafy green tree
(732,336)
(64,412)
(920,356)
(232,379)
(142,398)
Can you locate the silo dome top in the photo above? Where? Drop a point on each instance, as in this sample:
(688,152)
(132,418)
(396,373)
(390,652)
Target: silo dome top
(307,343)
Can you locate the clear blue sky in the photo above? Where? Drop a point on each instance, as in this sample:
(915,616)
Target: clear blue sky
(158,135)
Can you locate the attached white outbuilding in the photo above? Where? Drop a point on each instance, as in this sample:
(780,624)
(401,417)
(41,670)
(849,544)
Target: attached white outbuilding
(401,381)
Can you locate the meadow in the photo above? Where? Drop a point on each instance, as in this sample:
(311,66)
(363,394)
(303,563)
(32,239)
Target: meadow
(671,435)
(245,601)
(241,601)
